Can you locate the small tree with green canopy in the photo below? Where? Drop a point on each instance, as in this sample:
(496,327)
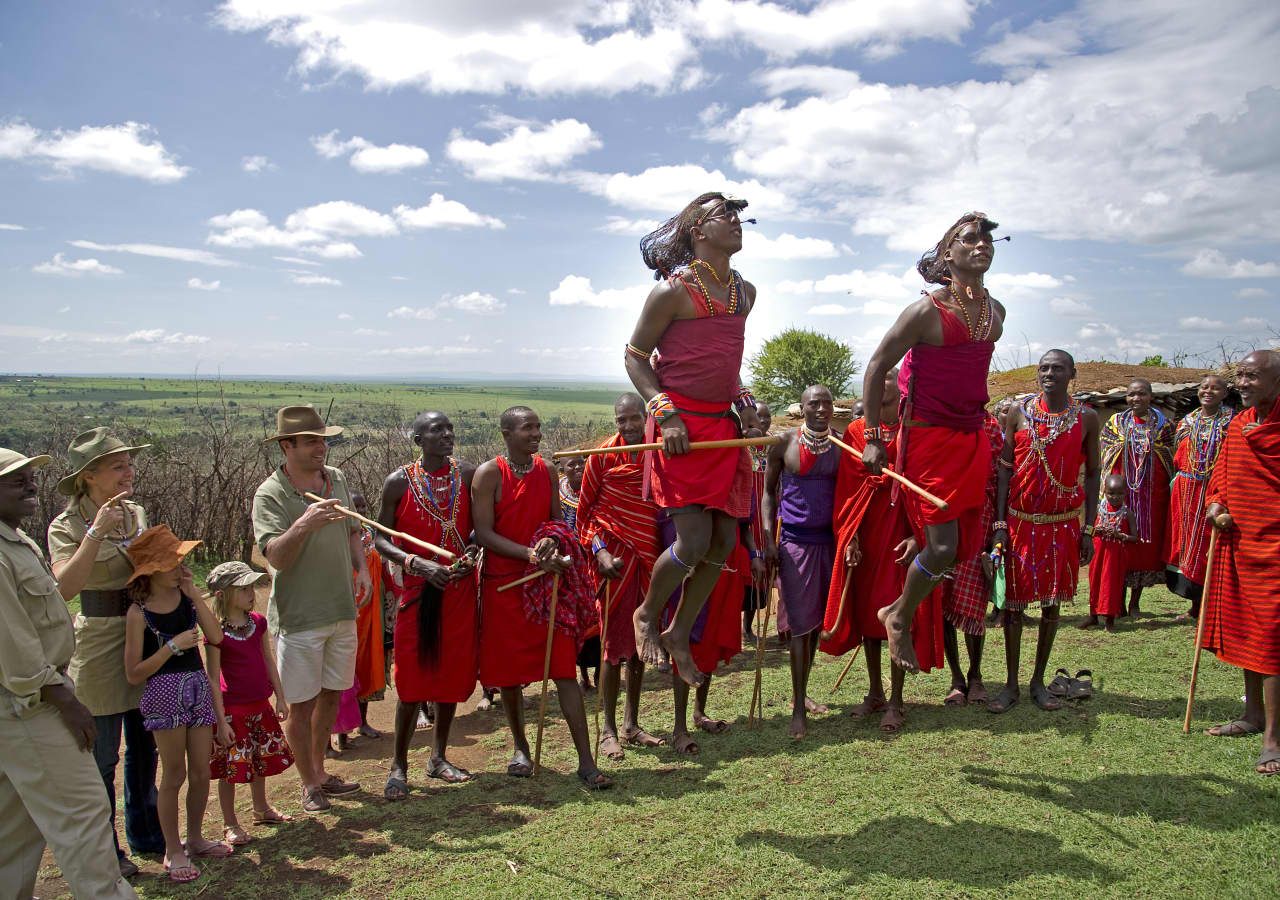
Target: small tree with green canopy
(794,359)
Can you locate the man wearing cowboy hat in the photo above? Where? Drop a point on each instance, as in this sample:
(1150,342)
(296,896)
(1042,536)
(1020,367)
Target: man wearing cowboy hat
(313,604)
(50,789)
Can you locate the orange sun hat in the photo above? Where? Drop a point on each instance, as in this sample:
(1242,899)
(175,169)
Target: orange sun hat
(157,550)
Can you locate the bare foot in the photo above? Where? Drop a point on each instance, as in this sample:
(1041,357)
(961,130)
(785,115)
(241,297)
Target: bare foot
(799,725)
(710,725)
(815,707)
(869,706)
(901,651)
(684,744)
(611,748)
(648,638)
(681,658)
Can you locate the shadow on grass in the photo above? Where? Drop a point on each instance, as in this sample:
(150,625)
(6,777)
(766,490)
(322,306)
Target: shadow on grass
(1204,801)
(908,848)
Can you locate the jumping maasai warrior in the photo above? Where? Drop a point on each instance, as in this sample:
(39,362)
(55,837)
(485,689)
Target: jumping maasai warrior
(1243,619)
(715,637)
(1196,444)
(695,318)
(437,635)
(804,465)
(948,337)
(874,545)
(621,528)
(753,598)
(1047,438)
(371,667)
(1113,531)
(1138,443)
(965,594)
(513,498)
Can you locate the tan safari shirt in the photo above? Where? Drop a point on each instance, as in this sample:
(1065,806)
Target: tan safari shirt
(36,636)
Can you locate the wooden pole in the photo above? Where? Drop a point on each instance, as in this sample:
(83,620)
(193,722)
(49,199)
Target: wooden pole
(604,629)
(757,692)
(848,666)
(765,441)
(546,674)
(1204,605)
(531,576)
(911,486)
(389,532)
(825,634)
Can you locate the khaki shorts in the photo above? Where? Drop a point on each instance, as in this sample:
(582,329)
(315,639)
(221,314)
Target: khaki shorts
(315,659)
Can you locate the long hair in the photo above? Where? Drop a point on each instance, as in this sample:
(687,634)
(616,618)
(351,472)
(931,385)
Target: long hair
(430,609)
(933,265)
(139,589)
(670,245)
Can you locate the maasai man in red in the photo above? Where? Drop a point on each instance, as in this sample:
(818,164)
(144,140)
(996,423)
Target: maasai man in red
(800,486)
(1138,443)
(572,469)
(513,498)
(874,545)
(947,337)
(437,632)
(1242,622)
(621,528)
(695,319)
(753,598)
(1048,437)
(1197,441)
(966,593)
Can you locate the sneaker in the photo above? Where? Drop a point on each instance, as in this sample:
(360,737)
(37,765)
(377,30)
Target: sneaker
(314,800)
(333,785)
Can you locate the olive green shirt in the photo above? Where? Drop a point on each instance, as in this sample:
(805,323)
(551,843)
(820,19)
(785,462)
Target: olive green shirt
(36,636)
(97,666)
(318,589)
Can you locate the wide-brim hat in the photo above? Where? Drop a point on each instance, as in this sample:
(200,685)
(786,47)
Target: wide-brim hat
(157,550)
(232,574)
(12,461)
(297,421)
(87,448)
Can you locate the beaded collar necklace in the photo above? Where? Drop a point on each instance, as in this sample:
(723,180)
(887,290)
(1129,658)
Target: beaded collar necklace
(519,469)
(1206,433)
(731,305)
(983,330)
(1055,425)
(816,442)
(426,486)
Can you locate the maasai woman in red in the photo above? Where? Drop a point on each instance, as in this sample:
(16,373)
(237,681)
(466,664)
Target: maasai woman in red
(1197,441)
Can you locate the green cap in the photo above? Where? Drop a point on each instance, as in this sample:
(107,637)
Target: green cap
(232,574)
(87,448)
(12,461)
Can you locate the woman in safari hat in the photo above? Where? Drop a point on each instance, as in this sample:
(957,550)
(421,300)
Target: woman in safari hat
(88,546)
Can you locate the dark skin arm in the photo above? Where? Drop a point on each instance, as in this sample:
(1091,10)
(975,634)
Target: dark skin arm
(775,462)
(1092,478)
(485,493)
(1012,423)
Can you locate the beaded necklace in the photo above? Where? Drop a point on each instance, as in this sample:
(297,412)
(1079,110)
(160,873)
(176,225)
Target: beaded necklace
(731,305)
(983,330)
(1137,446)
(423,485)
(714,273)
(816,442)
(1055,426)
(519,469)
(1206,433)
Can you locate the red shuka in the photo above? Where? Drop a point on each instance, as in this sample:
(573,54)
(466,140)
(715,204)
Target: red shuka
(511,646)
(1194,456)
(452,678)
(612,508)
(371,663)
(966,593)
(1243,619)
(1107,569)
(877,580)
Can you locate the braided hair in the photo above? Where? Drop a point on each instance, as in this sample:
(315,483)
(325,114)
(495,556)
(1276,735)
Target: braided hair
(933,265)
(670,245)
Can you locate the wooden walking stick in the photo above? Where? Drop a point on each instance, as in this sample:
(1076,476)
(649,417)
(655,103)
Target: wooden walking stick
(604,630)
(825,634)
(1204,606)
(847,667)
(546,674)
(389,532)
(911,486)
(764,441)
(757,692)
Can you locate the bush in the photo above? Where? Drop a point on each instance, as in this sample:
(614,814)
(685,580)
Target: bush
(796,358)
(1156,361)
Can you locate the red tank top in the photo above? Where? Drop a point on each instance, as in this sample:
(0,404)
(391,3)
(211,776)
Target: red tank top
(524,504)
(947,385)
(701,357)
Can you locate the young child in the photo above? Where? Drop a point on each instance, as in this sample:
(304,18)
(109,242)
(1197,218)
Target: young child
(1111,532)
(250,747)
(177,707)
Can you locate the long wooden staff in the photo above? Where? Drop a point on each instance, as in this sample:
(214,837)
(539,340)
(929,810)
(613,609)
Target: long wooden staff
(909,485)
(757,692)
(825,634)
(604,630)
(765,441)
(849,665)
(1204,606)
(546,674)
(389,532)
(566,559)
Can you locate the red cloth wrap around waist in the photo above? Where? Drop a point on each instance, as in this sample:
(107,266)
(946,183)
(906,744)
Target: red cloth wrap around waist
(716,479)
(952,465)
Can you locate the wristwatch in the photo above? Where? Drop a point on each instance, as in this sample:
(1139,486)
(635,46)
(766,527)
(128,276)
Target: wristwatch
(174,648)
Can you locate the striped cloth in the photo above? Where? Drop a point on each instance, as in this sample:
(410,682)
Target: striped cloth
(1243,617)
(966,594)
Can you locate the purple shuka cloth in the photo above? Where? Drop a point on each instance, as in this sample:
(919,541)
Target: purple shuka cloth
(807,548)
(804,571)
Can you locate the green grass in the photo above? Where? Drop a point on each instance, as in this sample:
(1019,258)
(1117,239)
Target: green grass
(1106,798)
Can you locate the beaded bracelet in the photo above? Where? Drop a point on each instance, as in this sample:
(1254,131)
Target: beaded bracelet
(598,544)
(755,554)
(1000,525)
(745,399)
(661,408)
(635,351)
(94,536)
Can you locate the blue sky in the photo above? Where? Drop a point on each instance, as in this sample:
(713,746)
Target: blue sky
(318,187)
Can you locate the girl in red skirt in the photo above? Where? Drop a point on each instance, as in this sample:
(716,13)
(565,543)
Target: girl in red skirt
(1113,530)
(249,746)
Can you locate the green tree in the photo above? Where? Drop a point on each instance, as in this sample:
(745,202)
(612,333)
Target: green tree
(794,359)
(1156,361)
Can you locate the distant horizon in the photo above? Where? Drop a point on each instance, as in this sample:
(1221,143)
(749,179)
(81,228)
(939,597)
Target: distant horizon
(462,378)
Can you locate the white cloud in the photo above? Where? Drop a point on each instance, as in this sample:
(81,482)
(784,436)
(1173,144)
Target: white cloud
(201,285)
(549,47)
(5,226)
(256,165)
(127,149)
(1212,264)
(296,260)
(311,279)
(526,152)
(371,332)
(786,247)
(344,317)
(335,250)
(313,229)
(442,213)
(1254,323)
(629,227)
(1069,307)
(575,290)
(1200,323)
(342,218)
(63,309)
(74,268)
(160,336)
(427,350)
(409,312)
(668,189)
(1013,282)
(1252,293)
(1039,42)
(831,309)
(475,302)
(824,80)
(368,157)
(159,251)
